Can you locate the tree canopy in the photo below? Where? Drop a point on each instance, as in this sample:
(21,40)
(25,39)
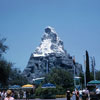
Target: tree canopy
(87,68)
(3,47)
(98,75)
(8,74)
(16,77)
(60,77)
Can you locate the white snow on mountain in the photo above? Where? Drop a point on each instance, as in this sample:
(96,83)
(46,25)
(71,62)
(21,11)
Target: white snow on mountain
(50,44)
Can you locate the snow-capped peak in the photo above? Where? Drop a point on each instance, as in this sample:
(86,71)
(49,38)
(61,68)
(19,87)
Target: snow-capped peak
(50,29)
(50,43)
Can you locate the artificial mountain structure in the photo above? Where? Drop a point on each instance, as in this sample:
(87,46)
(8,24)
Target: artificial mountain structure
(50,54)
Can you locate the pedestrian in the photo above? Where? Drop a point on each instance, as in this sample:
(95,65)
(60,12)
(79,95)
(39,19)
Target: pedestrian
(87,93)
(80,94)
(74,96)
(27,95)
(0,95)
(3,95)
(77,94)
(68,95)
(9,95)
(24,95)
(98,93)
(21,94)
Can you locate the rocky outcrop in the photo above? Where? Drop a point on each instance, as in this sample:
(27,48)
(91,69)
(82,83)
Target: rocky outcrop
(50,54)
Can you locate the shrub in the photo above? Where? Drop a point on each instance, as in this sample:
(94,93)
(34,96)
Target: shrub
(60,90)
(60,96)
(46,93)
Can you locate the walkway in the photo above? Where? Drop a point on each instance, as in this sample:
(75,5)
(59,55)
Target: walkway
(46,99)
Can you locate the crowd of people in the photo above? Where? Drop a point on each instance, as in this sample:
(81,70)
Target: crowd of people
(84,94)
(11,94)
(78,94)
(6,95)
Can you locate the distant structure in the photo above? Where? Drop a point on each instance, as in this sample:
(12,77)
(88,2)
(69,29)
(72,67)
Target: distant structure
(50,54)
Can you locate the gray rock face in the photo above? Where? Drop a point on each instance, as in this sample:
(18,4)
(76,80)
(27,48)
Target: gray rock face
(49,54)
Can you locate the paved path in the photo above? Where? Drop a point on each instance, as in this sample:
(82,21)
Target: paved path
(47,99)
(44,99)
(73,98)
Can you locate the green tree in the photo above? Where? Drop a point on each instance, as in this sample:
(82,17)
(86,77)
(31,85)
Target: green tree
(16,77)
(60,77)
(8,74)
(91,76)
(5,69)
(81,75)
(98,75)
(3,47)
(87,68)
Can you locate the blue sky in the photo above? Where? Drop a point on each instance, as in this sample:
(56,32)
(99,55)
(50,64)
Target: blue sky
(77,23)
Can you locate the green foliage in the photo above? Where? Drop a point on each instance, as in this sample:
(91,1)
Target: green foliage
(49,92)
(60,77)
(16,78)
(3,47)
(91,76)
(5,69)
(45,93)
(98,75)
(5,66)
(8,75)
(87,68)
(82,79)
(60,90)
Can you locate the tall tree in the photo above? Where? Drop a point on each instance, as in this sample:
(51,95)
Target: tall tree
(3,47)
(93,67)
(8,75)
(16,77)
(98,75)
(87,68)
(81,79)
(5,67)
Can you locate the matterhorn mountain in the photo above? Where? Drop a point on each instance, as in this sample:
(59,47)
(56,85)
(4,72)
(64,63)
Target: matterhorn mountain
(50,44)
(50,54)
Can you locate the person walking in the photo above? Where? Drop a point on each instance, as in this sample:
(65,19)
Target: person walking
(73,96)
(3,95)
(0,95)
(68,95)
(98,93)
(77,94)
(87,93)
(80,94)
(9,95)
